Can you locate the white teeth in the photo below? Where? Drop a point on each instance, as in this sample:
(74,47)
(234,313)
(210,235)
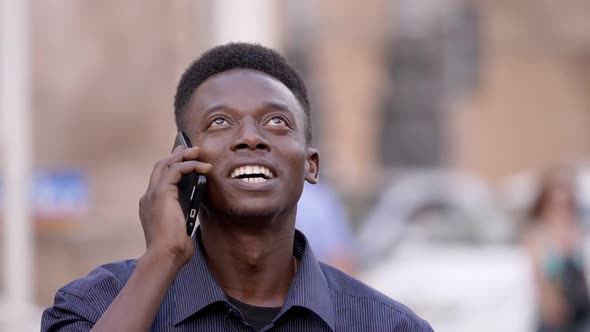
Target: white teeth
(251,169)
(254,180)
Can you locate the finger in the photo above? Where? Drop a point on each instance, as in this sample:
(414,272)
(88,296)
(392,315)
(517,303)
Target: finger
(179,153)
(178,148)
(175,171)
(191,153)
(176,156)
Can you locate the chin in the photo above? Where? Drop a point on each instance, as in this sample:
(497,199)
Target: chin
(259,208)
(252,211)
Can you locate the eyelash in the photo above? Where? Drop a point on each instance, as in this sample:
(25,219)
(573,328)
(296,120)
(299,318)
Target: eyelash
(278,117)
(213,124)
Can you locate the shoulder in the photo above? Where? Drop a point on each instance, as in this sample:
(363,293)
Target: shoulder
(115,273)
(357,298)
(80,303)
(101,285)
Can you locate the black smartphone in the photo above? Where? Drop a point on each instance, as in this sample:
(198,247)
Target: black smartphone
(191,189)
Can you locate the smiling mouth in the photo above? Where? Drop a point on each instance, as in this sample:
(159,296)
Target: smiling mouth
(252,174)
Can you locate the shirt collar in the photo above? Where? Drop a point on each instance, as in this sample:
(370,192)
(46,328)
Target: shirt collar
(195,288)
(309,288)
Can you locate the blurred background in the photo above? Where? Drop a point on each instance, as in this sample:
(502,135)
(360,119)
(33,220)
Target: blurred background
(434,119)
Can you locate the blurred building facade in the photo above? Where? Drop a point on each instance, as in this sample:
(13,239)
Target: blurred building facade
(486,87)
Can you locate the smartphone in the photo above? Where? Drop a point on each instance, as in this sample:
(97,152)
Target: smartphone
(191,189)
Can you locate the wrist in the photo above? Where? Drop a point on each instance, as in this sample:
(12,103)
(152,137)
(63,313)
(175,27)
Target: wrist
(162,260)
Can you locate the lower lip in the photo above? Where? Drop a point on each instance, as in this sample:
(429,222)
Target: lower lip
(254,185)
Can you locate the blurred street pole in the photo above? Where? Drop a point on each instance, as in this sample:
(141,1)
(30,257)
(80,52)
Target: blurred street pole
(16,129)
(249,21)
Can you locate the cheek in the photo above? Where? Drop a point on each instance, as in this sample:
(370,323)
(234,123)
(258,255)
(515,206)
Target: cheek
(296,163)
(211,149)
(294,156)
(211,152)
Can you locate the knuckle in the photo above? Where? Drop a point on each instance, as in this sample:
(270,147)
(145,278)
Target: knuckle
(151,195)
(159,164)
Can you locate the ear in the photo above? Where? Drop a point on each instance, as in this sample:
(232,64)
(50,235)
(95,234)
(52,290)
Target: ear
(312,171)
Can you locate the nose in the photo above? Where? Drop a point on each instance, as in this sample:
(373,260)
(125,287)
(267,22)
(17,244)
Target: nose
(249,138)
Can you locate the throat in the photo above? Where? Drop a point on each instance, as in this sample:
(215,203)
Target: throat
(258,283)
(251,262)
(257,269)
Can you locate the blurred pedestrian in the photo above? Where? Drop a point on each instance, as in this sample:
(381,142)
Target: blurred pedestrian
(323,219)
(554,241)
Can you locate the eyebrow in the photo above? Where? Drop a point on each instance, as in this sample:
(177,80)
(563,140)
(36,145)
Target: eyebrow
(274,105)
(214,109)
(278,106)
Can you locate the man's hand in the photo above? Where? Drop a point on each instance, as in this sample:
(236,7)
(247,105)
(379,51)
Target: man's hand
(162,219)
(168,246)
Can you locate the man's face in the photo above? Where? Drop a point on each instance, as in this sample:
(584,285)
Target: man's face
(250,127)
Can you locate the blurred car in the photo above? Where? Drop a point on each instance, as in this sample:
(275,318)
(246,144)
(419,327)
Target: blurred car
(440,243)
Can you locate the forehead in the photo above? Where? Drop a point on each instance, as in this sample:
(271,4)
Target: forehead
(243,89)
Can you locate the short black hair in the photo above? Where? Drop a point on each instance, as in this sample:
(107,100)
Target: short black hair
(245,56)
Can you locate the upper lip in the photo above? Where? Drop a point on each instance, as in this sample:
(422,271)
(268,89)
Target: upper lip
(253,163)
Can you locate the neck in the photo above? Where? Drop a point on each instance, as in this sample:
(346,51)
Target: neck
(251,261)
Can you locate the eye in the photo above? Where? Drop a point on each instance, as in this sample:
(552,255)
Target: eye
(219,121)
(276,121)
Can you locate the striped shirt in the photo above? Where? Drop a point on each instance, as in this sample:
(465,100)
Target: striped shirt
(321,298)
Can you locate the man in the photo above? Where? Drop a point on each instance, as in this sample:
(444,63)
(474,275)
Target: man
(247,113)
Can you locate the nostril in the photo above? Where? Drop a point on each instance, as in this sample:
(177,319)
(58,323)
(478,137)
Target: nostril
(261,146)
(250,143)
(242,146)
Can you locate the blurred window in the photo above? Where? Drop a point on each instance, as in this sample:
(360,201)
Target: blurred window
(433,57)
